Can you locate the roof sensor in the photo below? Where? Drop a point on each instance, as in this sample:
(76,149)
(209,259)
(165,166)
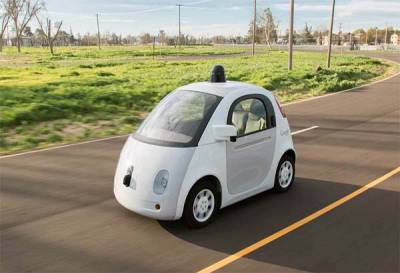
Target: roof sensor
(218,74)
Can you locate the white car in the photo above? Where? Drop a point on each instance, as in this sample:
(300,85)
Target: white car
(205,146)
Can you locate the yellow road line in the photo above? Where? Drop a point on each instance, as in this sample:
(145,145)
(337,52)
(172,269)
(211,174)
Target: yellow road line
(296,225)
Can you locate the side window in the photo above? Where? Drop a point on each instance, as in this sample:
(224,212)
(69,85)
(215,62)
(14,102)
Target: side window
(249,116)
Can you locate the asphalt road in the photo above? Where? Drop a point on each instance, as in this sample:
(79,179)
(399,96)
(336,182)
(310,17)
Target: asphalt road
(58,213)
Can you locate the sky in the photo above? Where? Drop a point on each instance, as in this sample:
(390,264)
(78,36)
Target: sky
(213,17)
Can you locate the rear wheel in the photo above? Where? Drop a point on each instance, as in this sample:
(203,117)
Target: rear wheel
(201,205)
(284,174)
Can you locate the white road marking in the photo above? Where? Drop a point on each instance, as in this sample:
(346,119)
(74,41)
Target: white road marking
(304,130)
(62,146)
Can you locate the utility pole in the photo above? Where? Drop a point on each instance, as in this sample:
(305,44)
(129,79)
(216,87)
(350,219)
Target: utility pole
(328,63)
(98,30)
(291,19)
(179,23)
(254,27)
(376,36)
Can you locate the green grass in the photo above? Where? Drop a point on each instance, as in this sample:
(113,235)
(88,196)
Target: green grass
(53,101)
(112,53)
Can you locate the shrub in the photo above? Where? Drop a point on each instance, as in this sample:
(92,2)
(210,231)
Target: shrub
(54,138)
(105,74)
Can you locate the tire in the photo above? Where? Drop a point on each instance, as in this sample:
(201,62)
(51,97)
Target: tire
(285,173)
(202,204)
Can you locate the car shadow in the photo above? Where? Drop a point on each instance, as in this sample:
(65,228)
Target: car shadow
(251,220)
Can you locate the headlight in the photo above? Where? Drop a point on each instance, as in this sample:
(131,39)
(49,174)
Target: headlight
(161,182)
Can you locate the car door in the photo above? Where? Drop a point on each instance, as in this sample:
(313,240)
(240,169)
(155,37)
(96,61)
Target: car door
(250,154)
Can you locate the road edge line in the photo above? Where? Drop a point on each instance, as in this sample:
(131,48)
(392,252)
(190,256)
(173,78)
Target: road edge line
(61,146)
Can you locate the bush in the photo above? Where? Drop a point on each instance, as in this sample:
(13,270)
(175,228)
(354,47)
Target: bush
(105,74)
(54,138)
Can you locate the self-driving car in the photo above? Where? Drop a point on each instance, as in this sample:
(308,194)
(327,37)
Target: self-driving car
(205,146)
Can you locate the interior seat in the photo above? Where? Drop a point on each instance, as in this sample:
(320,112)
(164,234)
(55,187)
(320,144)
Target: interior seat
(239,118)
(256,118)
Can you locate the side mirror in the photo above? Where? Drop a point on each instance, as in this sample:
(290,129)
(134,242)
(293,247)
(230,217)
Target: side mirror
(224,132)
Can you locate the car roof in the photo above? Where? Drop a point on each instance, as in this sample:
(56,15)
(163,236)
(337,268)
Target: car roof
(222,88)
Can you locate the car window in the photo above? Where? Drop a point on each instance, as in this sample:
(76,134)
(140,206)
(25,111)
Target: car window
(249,116)
(179,118)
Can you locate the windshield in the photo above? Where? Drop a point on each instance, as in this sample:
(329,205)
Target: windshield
(179,118)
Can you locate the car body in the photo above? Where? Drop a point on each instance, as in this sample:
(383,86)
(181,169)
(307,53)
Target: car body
(231,136)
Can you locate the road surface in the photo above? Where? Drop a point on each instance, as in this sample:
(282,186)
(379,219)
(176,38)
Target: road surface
(58,213)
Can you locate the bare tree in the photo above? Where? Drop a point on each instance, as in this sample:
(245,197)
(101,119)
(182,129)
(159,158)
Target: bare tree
(4,19)
(47,32)
(21,12)
(269,27)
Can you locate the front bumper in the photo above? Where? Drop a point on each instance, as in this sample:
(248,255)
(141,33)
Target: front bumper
(146,204)
(144,161)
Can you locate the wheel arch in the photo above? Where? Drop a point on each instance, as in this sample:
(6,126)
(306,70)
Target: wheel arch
(213,179)
(291,153)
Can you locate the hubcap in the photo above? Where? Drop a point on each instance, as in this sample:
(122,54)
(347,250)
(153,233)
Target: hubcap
(285,174)
(203,205)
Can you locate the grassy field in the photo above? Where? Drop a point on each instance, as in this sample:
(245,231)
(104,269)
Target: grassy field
(111,53)
(85,93)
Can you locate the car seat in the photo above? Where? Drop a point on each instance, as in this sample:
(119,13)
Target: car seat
(256,118)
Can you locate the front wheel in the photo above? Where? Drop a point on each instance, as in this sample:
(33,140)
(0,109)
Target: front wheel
(201,205)
(284,174)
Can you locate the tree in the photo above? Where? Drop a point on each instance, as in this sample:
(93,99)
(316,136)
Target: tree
(259,30)
(360,35)
(370,36)
(295,36)
(21,12)
(145,38)
(269,27)
(47,32)
(28,31)
(4,19)
(71,37)
(306,36)
(319,35)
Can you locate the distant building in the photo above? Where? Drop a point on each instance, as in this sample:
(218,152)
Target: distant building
(395,39)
